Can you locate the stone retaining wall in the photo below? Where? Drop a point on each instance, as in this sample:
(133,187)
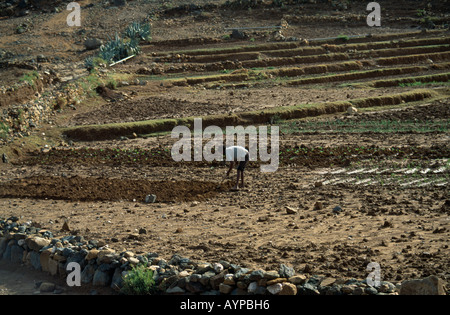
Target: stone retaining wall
(23,108)
(22,243)
(28,105)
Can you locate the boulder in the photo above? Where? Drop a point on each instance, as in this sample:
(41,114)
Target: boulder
(101,278)
(297,279)
(44,258)
(237,34)
(275,288)
(92,43)
(16,254)
(318,206)
(88,273)
(35,260)
(3,244)
(117,279)
(431,285)
(52,266)
(288,289)
(225,288)
(105,256)
(290,210)
(92,254)
(286,271)
(150,198)
(36,243)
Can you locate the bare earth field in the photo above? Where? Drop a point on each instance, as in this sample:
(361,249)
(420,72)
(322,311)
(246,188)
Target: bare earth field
(351,188)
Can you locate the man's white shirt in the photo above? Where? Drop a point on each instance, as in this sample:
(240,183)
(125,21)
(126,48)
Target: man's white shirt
(236,153)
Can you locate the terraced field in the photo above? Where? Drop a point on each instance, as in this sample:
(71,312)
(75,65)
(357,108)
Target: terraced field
(402,62)
(364,129)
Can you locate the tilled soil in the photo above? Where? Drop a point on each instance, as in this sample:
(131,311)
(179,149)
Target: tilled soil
(404,229)
(294,155)
(311,214)
(100,189)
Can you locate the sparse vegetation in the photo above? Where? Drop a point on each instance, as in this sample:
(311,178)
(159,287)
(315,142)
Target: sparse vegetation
(421,12)
(30,78)
(139,281)
(344,38)
(4,131)
(92,63)
(361,126)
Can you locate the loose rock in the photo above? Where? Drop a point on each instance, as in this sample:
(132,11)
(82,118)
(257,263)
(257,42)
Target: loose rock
(35,243)
(92,43)
(150,198)
(288,289)
(318,206)
(47,287)
(337,209)
(352,110)
(225,288)
(290,210)
(431,285)
(275,288)
(285,271)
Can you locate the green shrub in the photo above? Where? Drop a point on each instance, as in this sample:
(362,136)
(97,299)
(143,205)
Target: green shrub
(91,63)
(139,281)
(30,77)
(343,37)
(4,131)
(111,84)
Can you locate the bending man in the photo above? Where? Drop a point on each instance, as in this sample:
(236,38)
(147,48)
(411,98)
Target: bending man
(237,155)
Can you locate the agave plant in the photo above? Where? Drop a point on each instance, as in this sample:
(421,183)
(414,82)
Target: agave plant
(114,49)
(137,31)
(89,63)
(93,62)
(132,47)
(107,53)
(118,48)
